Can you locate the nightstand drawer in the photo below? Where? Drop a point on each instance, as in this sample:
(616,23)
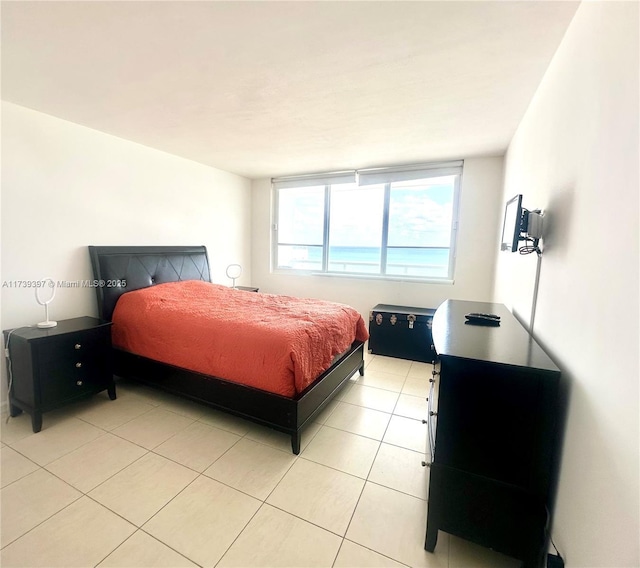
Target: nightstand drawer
(66,379)
(74,347)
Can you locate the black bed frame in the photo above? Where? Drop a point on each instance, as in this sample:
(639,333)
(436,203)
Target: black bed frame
(120,269)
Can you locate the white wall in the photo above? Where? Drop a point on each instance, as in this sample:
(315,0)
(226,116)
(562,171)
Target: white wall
(576,156)
(477,240)
(65,186)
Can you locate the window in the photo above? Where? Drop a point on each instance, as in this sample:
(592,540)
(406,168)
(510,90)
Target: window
(301,227)
(389,222)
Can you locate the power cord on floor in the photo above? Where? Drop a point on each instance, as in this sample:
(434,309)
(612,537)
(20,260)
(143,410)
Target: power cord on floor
(553,560)
(7,354)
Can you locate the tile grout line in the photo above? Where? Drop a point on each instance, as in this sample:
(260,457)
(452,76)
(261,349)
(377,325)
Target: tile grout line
(364,485)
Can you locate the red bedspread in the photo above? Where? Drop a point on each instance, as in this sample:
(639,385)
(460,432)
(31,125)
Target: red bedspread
(276,343)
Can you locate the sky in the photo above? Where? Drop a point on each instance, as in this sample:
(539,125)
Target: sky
(420,214)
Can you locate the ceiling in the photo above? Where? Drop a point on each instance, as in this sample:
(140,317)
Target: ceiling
(270,88)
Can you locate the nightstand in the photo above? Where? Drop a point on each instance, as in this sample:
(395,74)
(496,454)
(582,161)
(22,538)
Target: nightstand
(247,288)
(55,366)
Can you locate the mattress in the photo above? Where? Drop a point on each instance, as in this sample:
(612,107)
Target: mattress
(276,343)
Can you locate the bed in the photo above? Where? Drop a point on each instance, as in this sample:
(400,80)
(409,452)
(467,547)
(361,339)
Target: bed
(121,269)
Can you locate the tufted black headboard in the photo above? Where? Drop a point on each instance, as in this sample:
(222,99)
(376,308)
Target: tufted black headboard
(123,269)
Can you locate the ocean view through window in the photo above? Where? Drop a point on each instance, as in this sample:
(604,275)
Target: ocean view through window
(388,222)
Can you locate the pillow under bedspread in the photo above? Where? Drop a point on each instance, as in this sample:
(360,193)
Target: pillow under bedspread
(280,344)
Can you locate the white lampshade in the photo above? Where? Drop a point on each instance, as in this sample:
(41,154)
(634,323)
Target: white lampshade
(48,284)
(234,271)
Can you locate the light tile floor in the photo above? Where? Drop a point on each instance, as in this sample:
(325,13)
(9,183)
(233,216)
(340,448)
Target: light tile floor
(151,480)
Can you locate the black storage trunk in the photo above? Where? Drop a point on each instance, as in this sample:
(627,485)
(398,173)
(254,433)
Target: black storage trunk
(401,331)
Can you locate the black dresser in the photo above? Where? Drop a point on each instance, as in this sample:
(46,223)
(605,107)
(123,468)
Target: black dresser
(493,471)
(51,367)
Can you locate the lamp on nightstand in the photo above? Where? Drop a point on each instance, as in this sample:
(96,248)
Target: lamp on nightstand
(49,283)
(234,271)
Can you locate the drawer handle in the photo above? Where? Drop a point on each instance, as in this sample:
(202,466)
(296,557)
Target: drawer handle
(77,346)
(79,383)
(78,365)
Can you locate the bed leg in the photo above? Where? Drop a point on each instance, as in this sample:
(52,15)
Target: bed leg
(295,442)
(361,369)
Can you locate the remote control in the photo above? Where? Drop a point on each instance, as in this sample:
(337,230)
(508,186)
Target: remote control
(481,315)
(482,319)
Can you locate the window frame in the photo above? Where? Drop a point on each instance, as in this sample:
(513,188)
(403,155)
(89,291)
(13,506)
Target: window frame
(405,173)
